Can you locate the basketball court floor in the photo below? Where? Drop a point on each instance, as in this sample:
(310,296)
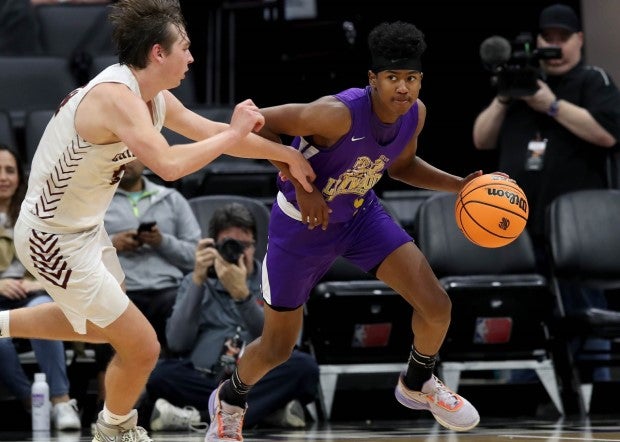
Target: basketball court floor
(489,430)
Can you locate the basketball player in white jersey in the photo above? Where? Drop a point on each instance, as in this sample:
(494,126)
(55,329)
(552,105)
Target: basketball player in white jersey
(80,159)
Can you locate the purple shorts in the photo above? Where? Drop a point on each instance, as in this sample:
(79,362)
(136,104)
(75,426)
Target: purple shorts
(297,257)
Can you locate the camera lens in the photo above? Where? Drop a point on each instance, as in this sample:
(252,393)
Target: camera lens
(230,249)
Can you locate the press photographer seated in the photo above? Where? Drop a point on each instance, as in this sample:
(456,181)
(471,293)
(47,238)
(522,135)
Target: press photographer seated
(213,318)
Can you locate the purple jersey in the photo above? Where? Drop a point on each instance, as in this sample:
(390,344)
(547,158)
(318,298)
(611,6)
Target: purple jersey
(347,171)
(359,228)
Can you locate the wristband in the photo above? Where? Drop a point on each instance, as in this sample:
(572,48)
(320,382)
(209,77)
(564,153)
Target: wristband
(554,108)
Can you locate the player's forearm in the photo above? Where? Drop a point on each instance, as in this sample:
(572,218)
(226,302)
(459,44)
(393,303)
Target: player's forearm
(180,160)
(256,146)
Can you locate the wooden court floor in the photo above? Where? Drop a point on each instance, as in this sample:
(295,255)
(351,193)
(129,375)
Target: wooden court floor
(490,430)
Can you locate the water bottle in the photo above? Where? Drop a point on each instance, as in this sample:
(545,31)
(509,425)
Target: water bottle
(40,403)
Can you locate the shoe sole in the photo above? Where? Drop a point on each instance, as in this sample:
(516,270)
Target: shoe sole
(212,403)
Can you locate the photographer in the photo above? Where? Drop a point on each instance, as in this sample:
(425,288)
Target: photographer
(212,320)
(557,139)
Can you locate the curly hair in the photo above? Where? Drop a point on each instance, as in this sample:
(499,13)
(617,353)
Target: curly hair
(396,40)
(140,24)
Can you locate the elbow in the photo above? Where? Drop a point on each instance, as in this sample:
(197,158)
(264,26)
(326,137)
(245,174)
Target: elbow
(482,144)
(167,172)
(605,140)
(393,174)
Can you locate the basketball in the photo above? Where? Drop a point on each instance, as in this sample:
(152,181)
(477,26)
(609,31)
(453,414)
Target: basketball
(491,210)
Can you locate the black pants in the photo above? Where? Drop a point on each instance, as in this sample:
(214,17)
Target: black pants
(177,381)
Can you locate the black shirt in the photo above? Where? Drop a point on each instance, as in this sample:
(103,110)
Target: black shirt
(570,163)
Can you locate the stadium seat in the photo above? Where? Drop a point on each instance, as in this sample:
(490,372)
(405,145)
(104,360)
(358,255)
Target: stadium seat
(7,133)
(33,83)
(36,122)
(76,32)
(585,249)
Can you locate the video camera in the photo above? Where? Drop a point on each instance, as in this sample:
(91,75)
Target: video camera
(515,67)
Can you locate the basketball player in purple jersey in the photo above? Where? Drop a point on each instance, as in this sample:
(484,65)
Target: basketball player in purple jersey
(351,139)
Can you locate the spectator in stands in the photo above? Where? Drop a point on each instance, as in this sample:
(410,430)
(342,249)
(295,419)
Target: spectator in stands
(557,139)
(217,312)
(17,289)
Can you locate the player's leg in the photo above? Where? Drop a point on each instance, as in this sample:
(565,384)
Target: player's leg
(136,353)
(46,321)
(280,334)
(228,403)
(407,271)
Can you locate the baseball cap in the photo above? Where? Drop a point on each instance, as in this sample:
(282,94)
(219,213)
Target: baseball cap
(559,16)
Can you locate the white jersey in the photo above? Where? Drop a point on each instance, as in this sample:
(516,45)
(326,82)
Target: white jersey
(71,180)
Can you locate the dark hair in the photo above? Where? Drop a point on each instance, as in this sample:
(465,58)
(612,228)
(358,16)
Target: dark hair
(140,24)
(232,215)
(396,40)
(20,192)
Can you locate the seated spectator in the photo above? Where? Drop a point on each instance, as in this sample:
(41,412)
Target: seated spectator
(217,311)
(17,289)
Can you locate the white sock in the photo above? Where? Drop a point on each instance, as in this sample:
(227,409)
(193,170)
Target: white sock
(5,332)
(114,419)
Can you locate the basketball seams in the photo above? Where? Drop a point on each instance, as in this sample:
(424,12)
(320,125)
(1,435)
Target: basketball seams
(484,203)
(494,211)
(507,186)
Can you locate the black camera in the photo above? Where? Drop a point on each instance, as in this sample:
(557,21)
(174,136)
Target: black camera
(230,249)
(515,67)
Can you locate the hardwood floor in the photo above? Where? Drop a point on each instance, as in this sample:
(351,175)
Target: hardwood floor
(489,430)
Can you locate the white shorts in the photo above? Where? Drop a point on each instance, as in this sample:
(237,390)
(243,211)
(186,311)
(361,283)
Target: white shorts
(80,271)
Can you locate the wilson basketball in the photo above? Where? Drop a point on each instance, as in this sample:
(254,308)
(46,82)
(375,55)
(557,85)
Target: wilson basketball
(491,211)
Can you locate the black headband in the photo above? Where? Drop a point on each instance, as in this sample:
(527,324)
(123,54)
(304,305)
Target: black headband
(380,63)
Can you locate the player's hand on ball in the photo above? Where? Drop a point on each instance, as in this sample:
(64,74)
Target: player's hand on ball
(468,178)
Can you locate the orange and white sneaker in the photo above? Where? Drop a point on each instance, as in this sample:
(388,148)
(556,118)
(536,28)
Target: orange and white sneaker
(449,409)
(226,420)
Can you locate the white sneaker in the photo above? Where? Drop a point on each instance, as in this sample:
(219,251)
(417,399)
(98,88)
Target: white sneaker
(226,420)
(167,417)
(449,409)
(127,431)
(290,416)
(65,416)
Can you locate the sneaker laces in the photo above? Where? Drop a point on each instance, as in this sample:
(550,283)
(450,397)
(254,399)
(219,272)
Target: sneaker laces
(183,417)
(136,434)
(230,425)
(443,396)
